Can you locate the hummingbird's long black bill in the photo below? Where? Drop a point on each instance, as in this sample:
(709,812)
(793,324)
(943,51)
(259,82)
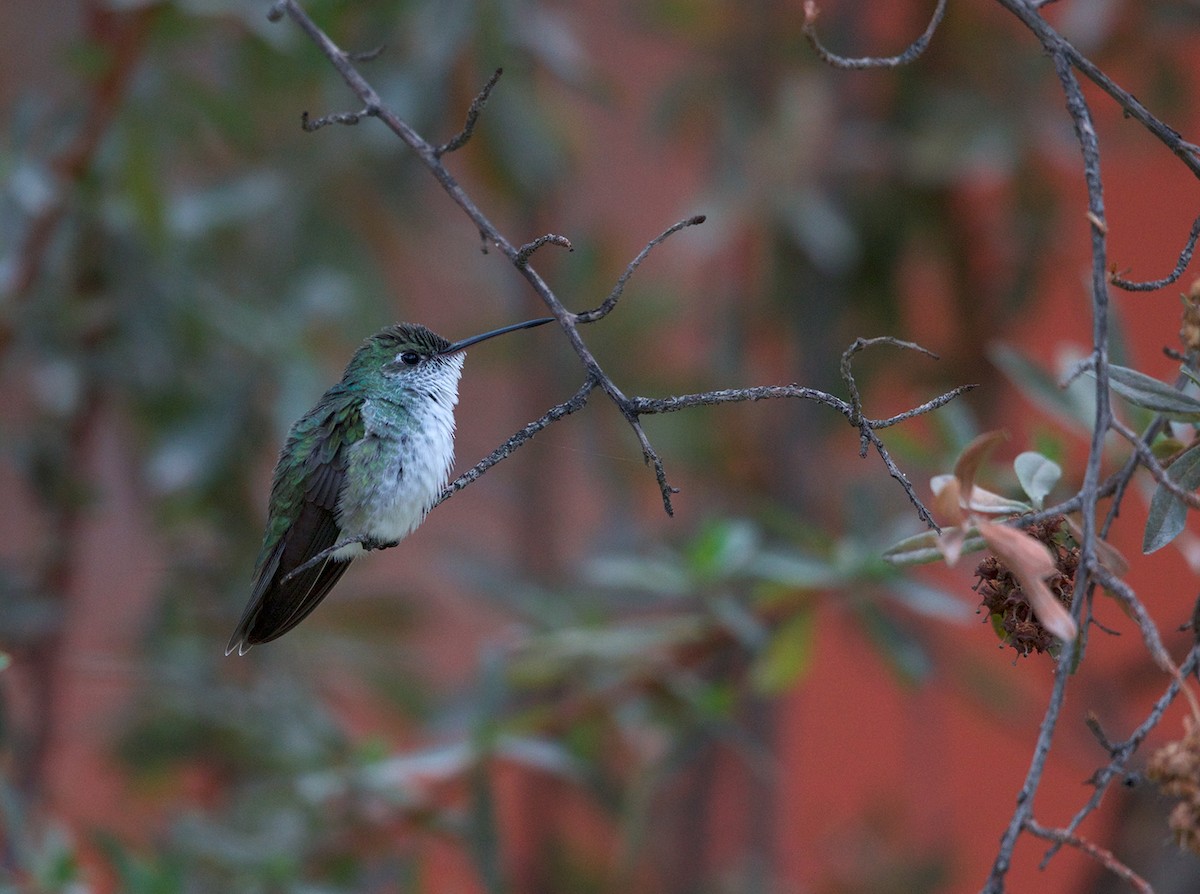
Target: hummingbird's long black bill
(467,342)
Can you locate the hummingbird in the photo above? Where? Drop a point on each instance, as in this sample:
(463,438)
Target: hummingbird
(358,472)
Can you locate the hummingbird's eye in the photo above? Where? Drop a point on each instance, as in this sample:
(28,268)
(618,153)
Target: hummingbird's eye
(409,358)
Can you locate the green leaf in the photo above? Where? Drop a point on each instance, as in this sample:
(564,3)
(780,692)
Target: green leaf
(788,654)
(724,547)
(795,570)
(930,601)
(902,650)
(649,575)
(1168,515)
(922,549)
(1038,474)
(1151,393)
(1073,404)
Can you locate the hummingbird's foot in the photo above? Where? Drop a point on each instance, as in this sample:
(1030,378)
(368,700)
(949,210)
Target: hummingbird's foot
(370,544)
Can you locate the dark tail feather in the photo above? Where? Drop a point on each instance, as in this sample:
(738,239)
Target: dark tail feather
(279,607)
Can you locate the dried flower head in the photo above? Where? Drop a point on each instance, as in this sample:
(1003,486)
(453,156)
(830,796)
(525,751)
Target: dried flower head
(1189,330)
(1011,605)
(1175,768)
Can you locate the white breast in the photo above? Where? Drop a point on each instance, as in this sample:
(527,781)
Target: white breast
(396,472)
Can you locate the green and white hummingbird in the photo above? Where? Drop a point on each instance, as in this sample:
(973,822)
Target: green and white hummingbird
(362,468)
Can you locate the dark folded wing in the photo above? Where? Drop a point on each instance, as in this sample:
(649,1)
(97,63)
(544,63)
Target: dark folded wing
(276,605)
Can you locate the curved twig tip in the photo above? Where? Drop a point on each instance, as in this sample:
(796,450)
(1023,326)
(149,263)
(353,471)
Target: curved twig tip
(523,253)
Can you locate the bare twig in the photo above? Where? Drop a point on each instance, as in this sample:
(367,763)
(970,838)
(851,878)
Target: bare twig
(589,316)
(915,49)
(1059,47)
(1086,136)
(852,386)
(368,55)
(596,377)
(566,408)
(1101,855)
(1122,752)
(1124,594)
(524,252)
(1185,258)
(1145,456)
(347,118)
(460,139)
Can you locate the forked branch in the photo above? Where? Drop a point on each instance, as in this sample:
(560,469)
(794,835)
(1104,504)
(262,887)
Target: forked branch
(595,377)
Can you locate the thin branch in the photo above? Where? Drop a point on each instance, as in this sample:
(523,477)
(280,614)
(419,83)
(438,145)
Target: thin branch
(368,55)
(460,139)
(647,406)
(1146,457)
(1101,855)
(852,386)
(347,118)
(1041,749)
(590,316)
(1185,258)
(1124,594)
(652,405)
(1085,134)
(430,157)
(529,248)
(895,472)
(566,408)
(1058,46)
(939,401)
(915,49)
(1122,752)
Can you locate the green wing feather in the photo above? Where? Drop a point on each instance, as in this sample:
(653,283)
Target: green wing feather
(303,520)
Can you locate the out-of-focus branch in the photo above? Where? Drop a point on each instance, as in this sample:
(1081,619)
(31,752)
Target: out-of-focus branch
(915,49)
(122,34)
(1101,855)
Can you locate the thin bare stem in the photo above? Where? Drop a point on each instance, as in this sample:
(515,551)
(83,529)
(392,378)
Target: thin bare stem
(1185,258)
(1146,457)
(1058,46)
(460,139)
(1101,855)
(347,118)
(915,49)
(1086,136)
(589,316)
(1122,752)
(524,252)
(505,450)
(596,377)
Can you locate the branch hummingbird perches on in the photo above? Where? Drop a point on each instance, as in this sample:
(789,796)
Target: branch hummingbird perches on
(595,377)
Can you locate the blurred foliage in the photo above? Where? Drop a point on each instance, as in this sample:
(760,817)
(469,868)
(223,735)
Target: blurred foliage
(211,258)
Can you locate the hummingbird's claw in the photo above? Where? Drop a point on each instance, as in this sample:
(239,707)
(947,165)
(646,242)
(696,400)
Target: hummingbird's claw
(370,544)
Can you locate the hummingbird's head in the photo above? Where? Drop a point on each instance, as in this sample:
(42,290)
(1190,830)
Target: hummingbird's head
(406,356)
(409,356)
